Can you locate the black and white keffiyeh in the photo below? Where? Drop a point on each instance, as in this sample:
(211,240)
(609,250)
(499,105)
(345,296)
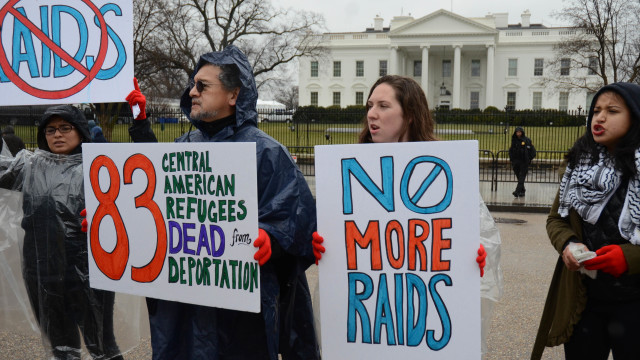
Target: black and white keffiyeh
(588,188)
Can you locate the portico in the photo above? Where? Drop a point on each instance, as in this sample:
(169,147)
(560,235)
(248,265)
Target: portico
(433,50)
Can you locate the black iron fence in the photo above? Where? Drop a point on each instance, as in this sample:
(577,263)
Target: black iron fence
(552,133)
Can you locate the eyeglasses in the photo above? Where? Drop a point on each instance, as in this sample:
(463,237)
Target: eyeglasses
(199,85)
(64,129)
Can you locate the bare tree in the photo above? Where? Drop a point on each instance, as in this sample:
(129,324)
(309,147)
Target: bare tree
(604,45)
(288,96)
(174,33)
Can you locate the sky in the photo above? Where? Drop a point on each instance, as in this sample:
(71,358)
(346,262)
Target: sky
(356,15)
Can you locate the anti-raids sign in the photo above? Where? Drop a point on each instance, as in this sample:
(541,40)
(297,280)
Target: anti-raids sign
(174,221)
(72,51)
(399,278)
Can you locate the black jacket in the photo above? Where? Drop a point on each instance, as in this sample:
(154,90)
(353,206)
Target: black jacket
(522,150)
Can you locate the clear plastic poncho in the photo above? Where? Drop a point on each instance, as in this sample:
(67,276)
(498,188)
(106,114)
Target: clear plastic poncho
(44,278)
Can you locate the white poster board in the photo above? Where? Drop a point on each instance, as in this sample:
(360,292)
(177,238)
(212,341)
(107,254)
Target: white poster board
(62,52)
(174,221)
(399,278)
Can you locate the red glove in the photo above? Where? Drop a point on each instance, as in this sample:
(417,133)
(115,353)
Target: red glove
(85,225)
(610,260)
(481,259)
(136,98)
(318,249)
(263,243)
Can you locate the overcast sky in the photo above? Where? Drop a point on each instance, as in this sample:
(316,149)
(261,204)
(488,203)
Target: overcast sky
(356,15)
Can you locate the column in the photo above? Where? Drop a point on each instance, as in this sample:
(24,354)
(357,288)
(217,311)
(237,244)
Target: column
(489,89)
(425,69)
(455,101)
(393,61)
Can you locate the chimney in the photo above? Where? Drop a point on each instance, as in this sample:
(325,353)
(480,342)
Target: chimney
(526,19)
(377,23)
(501,19)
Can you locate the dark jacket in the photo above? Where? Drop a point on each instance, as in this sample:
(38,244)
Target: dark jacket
(14,143)
(286,211)
(522,150)
(97,136)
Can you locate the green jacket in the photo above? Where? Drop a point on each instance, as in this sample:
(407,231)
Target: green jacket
(567,294)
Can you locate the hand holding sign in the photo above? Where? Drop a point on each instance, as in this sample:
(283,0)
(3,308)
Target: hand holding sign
(481,259)
(85,224)
(318,249)
(137,101)
(263,243)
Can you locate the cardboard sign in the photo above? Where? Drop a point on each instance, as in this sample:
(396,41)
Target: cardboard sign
(174,221)
(75,51)
(401,227)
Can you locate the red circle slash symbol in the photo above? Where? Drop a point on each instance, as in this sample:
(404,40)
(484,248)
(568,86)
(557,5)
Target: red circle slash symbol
(53,94)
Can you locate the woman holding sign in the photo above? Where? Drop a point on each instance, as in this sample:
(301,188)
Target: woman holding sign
(397,111)
(55,261)
(593,304)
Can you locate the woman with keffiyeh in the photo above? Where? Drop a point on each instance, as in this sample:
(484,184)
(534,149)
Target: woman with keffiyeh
(597,209)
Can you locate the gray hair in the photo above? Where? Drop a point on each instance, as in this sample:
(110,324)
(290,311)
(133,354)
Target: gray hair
(229,76)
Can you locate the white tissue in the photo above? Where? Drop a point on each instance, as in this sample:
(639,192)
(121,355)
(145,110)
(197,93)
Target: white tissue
(581,253)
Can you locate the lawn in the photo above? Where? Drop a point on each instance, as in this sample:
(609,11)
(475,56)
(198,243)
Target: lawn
(301,138)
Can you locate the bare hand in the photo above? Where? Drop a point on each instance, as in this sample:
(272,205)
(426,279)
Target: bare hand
(570,261)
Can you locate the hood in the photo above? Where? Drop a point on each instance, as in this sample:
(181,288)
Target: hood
(68,113)
(95,130)
(248,96)
(7,130)
(519,128)
(629,92)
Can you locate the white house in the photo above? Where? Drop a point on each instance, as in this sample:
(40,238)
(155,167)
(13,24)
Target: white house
(460,63)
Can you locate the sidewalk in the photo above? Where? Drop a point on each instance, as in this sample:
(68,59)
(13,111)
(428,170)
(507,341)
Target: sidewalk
(538,198)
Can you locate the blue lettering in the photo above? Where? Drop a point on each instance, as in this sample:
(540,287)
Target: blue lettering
(411,202)
(416,327)
(58,69)
(22,35)
(106,74)
(384,196)
(383,313)
(356,307)
(441,308)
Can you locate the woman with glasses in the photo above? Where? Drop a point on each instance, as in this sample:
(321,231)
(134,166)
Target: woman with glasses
(54,253)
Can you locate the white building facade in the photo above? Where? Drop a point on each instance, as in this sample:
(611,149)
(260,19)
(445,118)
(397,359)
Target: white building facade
(460,62)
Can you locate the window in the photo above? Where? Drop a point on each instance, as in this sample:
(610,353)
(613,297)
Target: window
(590,96)
(537,100)
(564,67)
(475,67)
(474,100)
(314,69)
(337,69)
(511,100)
(336,98)
(359,68)
(513,67)
(417,68)
(593,65)
(383,67)
(446,68)
(538,65)
(314,98)
(563,101)
(359,98)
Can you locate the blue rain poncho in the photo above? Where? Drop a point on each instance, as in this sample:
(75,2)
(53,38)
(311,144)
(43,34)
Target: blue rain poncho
(44,276)
(287,212)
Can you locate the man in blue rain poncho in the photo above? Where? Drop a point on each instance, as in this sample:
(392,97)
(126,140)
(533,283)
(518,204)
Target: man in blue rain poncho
(221,104)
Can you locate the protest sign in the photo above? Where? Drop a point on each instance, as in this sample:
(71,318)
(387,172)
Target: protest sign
(174,221)
(401,227)
(76,51)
